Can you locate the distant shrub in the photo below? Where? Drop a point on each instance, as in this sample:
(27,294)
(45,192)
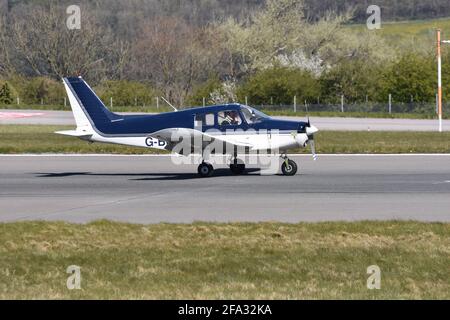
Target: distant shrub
(126,93)
(279,85)
(205,91)
(39,89)
(6,94)
(412,79)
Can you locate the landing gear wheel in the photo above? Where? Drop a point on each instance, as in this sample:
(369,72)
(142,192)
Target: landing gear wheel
(205,170)
(289,167)
(237,168)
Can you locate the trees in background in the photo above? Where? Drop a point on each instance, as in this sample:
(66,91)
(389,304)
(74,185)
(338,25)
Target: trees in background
(43,46)
(193,50)
(174,56)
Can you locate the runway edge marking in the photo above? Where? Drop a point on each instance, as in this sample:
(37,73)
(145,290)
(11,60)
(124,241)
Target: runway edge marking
(170,155)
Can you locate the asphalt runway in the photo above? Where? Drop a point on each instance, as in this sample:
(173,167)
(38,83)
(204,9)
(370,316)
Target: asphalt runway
(323,123)
(151,189)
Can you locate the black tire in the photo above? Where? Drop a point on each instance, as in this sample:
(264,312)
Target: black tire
(205,170)
(237,168)
(290,169)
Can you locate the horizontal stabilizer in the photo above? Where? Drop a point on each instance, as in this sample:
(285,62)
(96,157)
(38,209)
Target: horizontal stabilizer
(75,133)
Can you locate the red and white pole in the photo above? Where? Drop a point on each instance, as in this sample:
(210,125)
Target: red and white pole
(439,78)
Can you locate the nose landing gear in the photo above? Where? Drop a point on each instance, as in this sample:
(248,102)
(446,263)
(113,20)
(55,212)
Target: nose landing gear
(288,166)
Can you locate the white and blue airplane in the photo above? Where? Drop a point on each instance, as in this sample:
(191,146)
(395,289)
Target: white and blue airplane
(235,126)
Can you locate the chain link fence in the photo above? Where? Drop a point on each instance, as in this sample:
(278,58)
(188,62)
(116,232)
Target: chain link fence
(416,107)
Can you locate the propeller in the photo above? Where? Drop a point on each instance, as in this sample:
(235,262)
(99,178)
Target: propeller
(310,130)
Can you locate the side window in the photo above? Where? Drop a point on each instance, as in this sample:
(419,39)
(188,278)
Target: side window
(209,119)
(204,120)
(199,120)
(229,118)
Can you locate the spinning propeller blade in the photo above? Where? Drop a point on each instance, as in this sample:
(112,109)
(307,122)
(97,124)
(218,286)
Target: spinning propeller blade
(310,130)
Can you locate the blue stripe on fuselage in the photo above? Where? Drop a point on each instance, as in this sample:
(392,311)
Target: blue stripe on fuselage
(109,123)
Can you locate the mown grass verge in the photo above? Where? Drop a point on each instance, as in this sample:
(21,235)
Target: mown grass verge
(41,139)
(352,114)
(232,261)
(285,112)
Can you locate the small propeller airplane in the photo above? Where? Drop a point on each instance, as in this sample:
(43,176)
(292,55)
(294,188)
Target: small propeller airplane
(235,126)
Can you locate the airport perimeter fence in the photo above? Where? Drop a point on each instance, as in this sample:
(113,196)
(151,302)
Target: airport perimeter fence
(398,108)
(428,109)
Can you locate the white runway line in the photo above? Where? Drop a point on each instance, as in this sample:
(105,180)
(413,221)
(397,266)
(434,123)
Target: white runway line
(43,155)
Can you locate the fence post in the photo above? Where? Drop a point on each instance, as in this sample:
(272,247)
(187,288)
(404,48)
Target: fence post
(437,103)
(42,101)
(390,103)
(65,102)
(295,103)
(157,103)
(246,100)
(110,102)
(18,101)
(342,103)
(135,101)
(204,102)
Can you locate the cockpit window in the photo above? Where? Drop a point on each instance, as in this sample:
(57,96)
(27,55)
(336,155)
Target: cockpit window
(229,118)
(252,115)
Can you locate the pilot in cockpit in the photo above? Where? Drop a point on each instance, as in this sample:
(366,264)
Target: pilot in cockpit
(231,117)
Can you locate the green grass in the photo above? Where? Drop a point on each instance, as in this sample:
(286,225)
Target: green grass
(410,31)
(285,112)
(336,114)
(225,261)
(41,139)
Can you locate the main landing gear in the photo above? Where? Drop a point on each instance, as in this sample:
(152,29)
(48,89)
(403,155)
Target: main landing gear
(205,169)
(237,167)
(288,166)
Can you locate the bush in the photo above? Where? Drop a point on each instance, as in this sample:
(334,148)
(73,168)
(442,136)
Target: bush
(355,79)
(126,93)
(279,85)
(6,95)
(204,91)
(39,89)
(413,76)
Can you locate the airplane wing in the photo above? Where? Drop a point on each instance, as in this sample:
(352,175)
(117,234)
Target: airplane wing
(197,138)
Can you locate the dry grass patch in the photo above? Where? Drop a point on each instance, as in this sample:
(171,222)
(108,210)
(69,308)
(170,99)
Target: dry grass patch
(242,261)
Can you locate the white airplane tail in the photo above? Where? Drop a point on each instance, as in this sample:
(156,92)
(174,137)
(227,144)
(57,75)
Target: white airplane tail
(88,110)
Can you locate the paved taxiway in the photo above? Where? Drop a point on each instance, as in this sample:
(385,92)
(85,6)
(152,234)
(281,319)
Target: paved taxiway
(323,123)
(150,189)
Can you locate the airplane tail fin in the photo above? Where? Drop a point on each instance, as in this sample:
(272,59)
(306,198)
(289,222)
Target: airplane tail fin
(89,111)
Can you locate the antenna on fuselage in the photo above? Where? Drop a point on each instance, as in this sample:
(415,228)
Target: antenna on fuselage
(165,100)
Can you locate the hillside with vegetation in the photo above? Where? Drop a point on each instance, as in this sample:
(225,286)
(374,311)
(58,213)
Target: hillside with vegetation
(265,52)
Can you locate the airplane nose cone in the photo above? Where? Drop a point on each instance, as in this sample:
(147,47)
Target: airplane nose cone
(311,130)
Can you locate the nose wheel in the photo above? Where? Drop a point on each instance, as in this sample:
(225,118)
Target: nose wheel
(205,170)
(288,167)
